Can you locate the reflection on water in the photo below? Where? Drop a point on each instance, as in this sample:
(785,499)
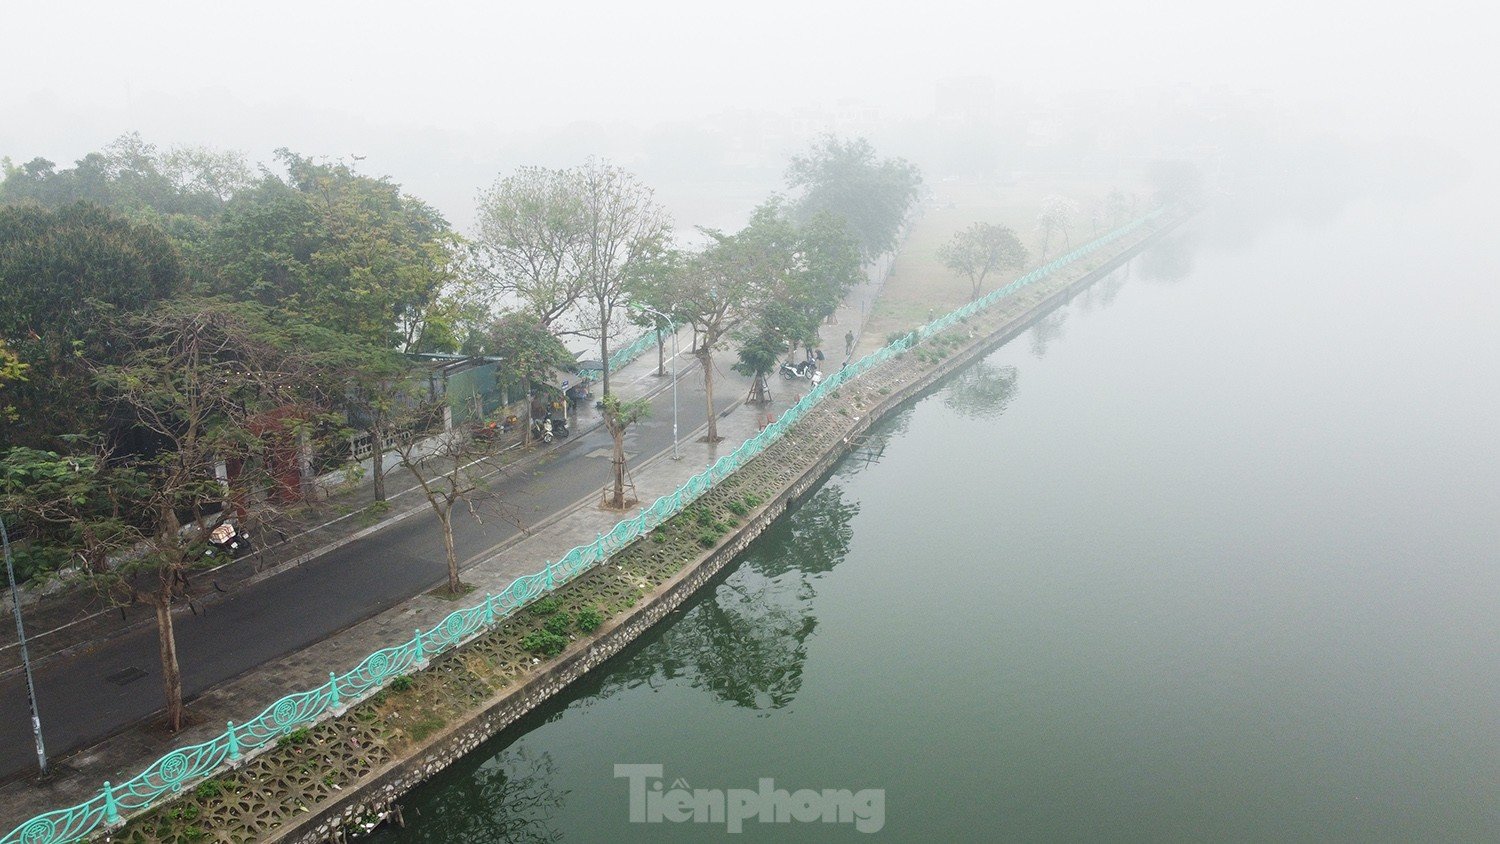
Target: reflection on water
(1046,330)
(747,642)
(982,390)
(1240,589)
(744,644)
(508,797)
(1170,260)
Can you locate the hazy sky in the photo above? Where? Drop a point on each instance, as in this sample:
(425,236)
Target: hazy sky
(323,76)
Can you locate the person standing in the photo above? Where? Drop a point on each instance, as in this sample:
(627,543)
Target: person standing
(848,343)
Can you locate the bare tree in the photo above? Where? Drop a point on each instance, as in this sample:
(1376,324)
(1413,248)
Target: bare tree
(531,235)
(452,468)
(622,227)
(209,390)
(1057,215)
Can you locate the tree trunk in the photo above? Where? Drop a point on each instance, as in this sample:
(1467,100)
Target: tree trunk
(661,354)
(759,393)
(707,360)
(445,515)
(604,348)
(166,637)
(377,457)
(618,501)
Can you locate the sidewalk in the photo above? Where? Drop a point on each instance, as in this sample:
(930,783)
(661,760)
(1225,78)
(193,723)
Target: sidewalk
(120,757)
(127,752)
(76,616)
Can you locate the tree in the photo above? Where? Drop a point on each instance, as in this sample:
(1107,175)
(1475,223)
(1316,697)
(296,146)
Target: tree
(1057,214)
(339,249)
(450,468)
(813,268)
(202,386)
(618,417)
(981,249)
(759,353)
(12,370)
(726,284)
(531,229)
(68,278)
(651,286)
(622,227)
(132,177)
(529,353)
(845,179)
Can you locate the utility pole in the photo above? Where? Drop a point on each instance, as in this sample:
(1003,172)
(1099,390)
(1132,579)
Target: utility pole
(670,322)
(15,597)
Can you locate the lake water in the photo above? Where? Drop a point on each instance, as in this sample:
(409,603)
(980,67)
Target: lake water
(1211,553)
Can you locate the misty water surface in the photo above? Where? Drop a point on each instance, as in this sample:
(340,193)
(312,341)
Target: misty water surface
(1209,554)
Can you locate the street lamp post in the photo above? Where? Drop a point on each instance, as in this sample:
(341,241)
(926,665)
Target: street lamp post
(673,324)
(15,596)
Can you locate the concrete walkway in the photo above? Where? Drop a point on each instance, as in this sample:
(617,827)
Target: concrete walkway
(126,753)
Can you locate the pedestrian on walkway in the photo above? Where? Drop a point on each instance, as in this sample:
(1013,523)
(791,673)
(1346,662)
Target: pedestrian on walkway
(848,343)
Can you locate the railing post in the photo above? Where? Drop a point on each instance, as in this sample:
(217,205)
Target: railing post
(489,610)
(111,808)
(333,691)
(549,575)
(421,655)
(234,743)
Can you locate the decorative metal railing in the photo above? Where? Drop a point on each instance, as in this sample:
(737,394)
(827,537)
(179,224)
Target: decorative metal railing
(169,775)
(628,353)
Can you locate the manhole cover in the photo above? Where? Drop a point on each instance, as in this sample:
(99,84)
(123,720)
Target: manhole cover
(129,675)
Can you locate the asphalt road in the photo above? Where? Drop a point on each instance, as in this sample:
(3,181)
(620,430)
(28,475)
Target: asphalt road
(80,704)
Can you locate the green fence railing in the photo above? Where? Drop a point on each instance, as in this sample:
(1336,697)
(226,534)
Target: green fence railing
(169,775)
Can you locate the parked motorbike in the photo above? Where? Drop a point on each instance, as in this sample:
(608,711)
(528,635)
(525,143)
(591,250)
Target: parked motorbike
(549,429)
(801,369)
(227,540)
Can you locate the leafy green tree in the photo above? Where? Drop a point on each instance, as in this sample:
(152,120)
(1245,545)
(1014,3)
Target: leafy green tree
(341,250)
(650,286)
(727,285)
(67,279)
(12,370)
(981,249)
(819,262)
(135,178)
(758,354)
(871,195)
(529,353)
(618,417)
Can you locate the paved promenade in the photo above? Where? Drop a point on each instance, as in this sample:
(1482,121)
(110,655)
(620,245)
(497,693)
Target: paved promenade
(123,753)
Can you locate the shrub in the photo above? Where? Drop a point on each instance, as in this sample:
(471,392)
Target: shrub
(737,507)
(296,737)
(589,619)
(426,727)
(545,606)
(209,789)
(402,683)
(544,642)
(558,623)
(753,500)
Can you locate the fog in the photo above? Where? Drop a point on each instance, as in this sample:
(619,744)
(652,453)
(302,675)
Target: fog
(707,100)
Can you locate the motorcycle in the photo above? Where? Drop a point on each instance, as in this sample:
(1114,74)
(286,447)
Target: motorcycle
(549,429)
(802,369)
(227,540)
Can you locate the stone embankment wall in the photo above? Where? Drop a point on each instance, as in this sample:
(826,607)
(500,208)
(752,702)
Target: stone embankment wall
(342,776)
